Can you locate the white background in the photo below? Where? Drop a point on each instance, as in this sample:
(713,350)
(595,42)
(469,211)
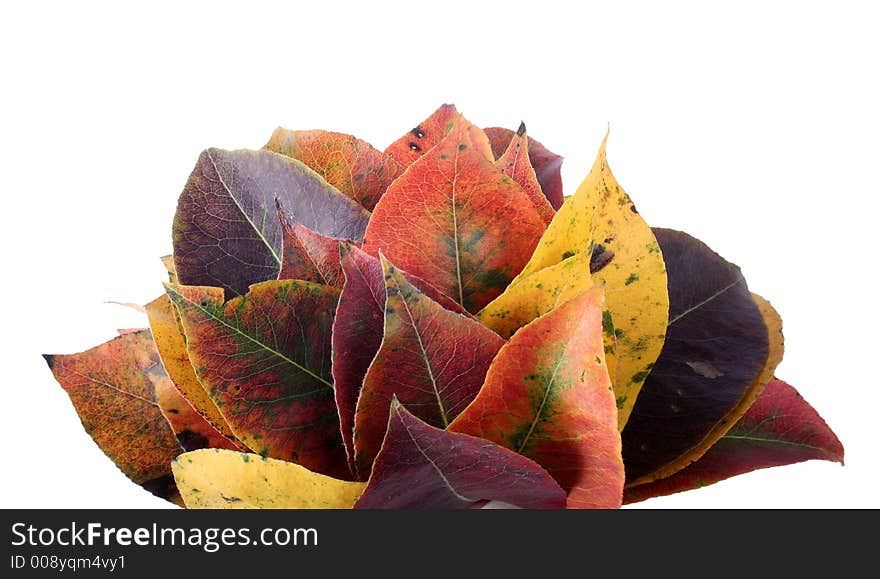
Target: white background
(754,127)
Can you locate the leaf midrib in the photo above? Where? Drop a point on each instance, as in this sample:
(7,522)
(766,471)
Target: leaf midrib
(424,353)
(247,336)
(712,297)
(433,464)
(244,213)
(776,441)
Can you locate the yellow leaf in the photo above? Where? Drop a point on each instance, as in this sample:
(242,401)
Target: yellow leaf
(774,356)
(531,296)
(224,479)
(601,227)
(171,343)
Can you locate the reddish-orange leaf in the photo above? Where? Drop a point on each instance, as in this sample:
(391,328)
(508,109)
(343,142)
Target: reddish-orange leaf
(432,359)
(779,428)
(456,221)
(351,165)
(265,360)
(547,164)
(408,148)
(548,396)
(358,330)
(192,430)
(516,165)
(111,389)
(308,256)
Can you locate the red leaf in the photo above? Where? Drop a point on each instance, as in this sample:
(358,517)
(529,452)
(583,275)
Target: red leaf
(351,165)
(422,467)
(548,396)
(456,221)
(408,148)
(779,428)
(308,256)
(514,162)
(358,330)
(265,360)
(547,164)
(432,359)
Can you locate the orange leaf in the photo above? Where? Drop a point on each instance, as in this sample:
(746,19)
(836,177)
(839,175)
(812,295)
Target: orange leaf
(548,396)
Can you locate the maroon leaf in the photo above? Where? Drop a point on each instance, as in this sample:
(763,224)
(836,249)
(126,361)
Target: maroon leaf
(358,329)
(779,428)
(422,467)
(432,359)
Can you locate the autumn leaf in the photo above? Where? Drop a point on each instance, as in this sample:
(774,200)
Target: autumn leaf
(601,221)
(422,467)
(514,162)
(358,328)
(225,231)
(191,429)
(265,360)
(168,263)
(351,165)
(171,344)
(534,295)
(456,221)
(432,359)
(111,389)
(548,397)
(223,479)
(716,347)
(773,322)
(547,165)
(780,428)
(308,256)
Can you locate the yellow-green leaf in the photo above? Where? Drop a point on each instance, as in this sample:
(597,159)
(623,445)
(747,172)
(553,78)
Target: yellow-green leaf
(224,479)
(600,221)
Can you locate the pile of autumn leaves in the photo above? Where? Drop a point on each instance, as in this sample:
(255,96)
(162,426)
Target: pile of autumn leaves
(435,326)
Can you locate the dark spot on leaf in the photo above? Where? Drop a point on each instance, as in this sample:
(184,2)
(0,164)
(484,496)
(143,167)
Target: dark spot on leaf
(521,130)
(414,146)
(633,277)
(462,147)
(600,258)
(633,208)
(230,499)
(190,440)
(418,132)
(50,359)
(607,322)
(567,254)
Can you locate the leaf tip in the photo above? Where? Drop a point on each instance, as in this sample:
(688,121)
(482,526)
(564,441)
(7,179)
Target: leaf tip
(50,360)
(521,130)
